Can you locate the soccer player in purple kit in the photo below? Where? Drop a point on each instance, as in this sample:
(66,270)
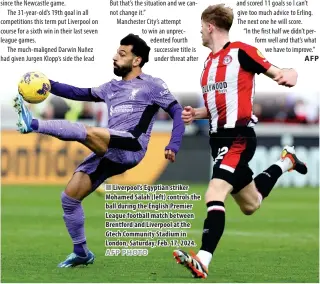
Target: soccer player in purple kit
(133,103)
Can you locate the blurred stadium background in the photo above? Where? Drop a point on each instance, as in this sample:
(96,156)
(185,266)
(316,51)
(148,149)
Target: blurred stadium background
(284,118)
(280,243)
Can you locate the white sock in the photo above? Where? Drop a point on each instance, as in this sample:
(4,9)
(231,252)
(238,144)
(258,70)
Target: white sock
(205,257)
(284,164)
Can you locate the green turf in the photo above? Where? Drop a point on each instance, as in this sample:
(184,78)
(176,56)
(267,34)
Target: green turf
(279,243)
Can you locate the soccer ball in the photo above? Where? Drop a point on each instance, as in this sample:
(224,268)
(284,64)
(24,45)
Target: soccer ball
(34,87)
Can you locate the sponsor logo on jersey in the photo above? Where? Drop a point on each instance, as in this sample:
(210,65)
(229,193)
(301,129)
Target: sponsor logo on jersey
(120,109)
(221,87)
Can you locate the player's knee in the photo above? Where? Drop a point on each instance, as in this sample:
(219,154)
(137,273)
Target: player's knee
(217,190)
(68,192)
(79,187)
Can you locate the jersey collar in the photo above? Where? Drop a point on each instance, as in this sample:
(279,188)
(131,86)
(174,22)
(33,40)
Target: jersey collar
(139,77)
(215,55)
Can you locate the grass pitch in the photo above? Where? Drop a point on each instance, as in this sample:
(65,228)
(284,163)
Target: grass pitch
(279,243)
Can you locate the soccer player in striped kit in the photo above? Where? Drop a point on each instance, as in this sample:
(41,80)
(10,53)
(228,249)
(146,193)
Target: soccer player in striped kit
(227,83)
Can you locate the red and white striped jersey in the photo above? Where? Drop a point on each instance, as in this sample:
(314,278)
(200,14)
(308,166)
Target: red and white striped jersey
(227,83)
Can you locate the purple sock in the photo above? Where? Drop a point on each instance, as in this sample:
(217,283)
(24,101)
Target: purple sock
(62,129)
(74,219)
(35,124)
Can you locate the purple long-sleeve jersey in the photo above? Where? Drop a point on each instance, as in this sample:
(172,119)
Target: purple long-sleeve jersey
(132,105)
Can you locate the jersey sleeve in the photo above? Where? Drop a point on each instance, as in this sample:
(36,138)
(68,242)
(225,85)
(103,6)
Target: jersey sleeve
(161,96)
(252,60)
(101,93)
(72,93)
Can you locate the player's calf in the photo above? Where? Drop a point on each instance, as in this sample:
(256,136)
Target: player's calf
(215,222)
(249,208)
(249,199)
(212,230)
(95,138)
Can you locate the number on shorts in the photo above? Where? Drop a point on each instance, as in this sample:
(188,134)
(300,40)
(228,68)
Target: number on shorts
(221,152)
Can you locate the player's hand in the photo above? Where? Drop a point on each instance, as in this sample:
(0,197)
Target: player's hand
(170,155)
(188,115)
(287,77)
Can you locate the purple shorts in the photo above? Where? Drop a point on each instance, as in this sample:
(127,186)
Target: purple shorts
(123,154)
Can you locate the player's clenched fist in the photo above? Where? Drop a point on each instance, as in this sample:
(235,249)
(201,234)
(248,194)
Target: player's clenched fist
(170,155)
(188,114)
(287,77)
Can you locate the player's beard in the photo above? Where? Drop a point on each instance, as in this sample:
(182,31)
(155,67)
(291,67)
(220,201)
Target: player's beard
(123,70)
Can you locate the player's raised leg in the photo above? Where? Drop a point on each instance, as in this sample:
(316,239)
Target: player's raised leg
(95,138)
(250,197)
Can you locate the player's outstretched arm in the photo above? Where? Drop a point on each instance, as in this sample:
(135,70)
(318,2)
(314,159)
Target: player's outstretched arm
(284,77)
(251,60)
(201,113)
(73,93)
(162,97)
(189,114)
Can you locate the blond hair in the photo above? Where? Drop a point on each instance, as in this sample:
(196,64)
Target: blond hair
(218,15)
